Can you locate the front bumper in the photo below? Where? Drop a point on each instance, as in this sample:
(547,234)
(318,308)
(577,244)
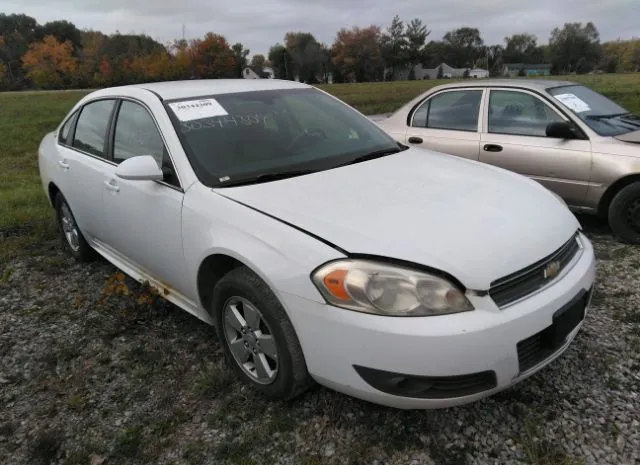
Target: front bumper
(341,345)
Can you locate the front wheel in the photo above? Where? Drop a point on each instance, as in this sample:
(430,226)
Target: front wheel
(624,214)
(259,341)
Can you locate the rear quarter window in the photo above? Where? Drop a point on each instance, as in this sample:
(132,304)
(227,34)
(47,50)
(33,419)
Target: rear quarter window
(63,135)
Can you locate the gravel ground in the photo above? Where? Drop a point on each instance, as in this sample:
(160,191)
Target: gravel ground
(95,370)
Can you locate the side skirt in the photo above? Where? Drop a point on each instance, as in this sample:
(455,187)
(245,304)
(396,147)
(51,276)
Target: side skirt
(140,275)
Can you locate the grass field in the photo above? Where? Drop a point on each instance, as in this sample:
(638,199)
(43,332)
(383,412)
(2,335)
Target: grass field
(26,219)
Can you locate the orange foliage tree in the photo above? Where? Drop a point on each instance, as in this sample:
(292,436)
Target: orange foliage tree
(50,64)
(211,57)
(159,66)
(357,55)
(91,56)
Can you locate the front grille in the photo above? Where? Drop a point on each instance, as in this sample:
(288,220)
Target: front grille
(528,280)
(428,387)
(542,345)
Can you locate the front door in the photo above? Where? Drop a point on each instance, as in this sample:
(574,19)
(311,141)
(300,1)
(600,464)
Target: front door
(515,139)
(447,122)
(144,218)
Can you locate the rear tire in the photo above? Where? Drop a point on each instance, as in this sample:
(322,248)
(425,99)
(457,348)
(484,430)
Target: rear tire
(73,242)
(624,214)
(249,317)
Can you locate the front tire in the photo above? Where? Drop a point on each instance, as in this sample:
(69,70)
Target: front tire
(73,242)
(259,341)
(624,214)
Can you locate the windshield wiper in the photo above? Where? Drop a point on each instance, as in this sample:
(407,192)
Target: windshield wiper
(266,177)
(375,154)
(614,115)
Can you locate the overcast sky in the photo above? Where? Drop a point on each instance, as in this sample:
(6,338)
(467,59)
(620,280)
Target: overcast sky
(258,24)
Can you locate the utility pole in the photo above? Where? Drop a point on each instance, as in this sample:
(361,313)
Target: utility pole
(183,35)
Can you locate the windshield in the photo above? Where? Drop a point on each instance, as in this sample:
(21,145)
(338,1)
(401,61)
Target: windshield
(258,136)
(601,114)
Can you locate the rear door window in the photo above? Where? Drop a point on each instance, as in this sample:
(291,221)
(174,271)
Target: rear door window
(452,110)
(91,130)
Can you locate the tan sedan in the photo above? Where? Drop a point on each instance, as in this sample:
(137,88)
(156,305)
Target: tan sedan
(573,140)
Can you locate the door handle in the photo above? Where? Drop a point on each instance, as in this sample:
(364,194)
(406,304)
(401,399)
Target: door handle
(111,187)
(492,148)
(415,140)
(65,166)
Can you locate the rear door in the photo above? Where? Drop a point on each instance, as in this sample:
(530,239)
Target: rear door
(515,139)
(82,162)
(448,122)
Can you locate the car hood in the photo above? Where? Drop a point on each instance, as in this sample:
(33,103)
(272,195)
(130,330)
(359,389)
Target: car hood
(471,220)
(633,137)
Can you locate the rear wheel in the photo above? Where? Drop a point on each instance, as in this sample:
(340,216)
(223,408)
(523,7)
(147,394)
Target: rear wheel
(259,341)
(72,239)
(624,214)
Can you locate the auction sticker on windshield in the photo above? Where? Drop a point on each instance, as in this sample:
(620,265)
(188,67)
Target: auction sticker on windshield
(197,109)
(573,102)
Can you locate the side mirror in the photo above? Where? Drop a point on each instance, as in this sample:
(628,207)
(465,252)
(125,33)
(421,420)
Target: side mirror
(561,130)
(141,168)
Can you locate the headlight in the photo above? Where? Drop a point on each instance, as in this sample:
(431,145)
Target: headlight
(383,289)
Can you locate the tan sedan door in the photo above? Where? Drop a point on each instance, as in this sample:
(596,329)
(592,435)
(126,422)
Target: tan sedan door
(514,138)
(448,122)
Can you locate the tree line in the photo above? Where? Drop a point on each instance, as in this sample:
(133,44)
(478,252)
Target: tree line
(58,55)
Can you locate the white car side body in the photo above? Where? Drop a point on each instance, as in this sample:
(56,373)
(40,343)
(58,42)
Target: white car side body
(416,206)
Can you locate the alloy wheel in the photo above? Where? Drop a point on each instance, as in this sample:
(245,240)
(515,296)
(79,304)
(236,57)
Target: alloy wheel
(250,340)
(69,228)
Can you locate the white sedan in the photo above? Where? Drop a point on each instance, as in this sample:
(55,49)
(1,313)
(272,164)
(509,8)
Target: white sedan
(321,249)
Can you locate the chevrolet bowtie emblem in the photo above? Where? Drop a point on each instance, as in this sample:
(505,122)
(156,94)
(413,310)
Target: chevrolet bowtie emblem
(552,270)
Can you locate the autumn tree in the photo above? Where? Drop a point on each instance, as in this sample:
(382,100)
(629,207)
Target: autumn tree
(182,67)
(89,58)
(17,31)
(63,31)
(50,64)
(621,56)
(357,55)
(212,57)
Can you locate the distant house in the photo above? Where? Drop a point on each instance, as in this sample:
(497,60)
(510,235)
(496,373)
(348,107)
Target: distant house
(250,73)
(518,69)
(448,72)
(269,71)
(478,73)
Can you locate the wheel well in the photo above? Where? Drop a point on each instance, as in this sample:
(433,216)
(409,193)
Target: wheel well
(53,191)
(212,269)
(613,189)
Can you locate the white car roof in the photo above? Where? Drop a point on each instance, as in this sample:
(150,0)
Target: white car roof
(169,90)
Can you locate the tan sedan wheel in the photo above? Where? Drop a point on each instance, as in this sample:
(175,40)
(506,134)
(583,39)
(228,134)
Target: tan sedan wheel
(624,214)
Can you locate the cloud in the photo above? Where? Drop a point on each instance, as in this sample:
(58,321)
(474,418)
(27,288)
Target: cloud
(260,24)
